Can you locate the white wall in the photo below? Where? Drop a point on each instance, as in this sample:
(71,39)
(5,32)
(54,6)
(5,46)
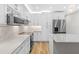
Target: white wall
(42,20)
(72,23)
(45,20)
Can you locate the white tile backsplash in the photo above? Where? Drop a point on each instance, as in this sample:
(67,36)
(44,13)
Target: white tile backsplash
(8,32)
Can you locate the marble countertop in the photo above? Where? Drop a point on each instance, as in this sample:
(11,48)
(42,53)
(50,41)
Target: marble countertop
(70,38)
(9,45)
(10,38)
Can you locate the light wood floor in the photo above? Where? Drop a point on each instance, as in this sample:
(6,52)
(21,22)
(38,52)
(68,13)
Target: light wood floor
(40,48)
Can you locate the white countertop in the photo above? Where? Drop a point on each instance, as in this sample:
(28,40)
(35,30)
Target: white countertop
(73,38)
(10,39)
(9,45)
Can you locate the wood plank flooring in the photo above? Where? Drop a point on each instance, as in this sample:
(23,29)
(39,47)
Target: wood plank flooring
(40,48)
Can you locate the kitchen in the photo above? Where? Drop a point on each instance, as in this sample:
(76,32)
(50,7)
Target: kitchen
(52,26)
(16,33)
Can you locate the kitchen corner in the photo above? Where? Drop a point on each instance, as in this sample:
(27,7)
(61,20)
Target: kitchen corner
(11,37)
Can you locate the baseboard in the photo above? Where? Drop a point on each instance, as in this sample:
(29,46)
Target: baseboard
(42,41)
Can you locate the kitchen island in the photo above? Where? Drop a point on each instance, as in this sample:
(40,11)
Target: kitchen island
(65,43)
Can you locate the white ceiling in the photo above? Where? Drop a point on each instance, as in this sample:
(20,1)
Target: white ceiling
(52,7)
(40,7)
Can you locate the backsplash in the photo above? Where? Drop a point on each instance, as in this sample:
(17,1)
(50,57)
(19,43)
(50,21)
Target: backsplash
(10,31)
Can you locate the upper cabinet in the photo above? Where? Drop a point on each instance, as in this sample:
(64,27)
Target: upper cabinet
(20,13)
(17,10)
(3,9)
(14,9)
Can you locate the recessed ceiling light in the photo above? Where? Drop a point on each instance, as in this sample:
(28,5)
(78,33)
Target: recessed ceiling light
(64,7)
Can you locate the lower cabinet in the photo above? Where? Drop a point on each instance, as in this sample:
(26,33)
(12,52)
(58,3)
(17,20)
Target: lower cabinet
(24,48)
(37,36)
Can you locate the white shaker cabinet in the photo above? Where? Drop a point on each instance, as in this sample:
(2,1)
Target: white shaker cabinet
(37,36)
(3,14)
(24,48)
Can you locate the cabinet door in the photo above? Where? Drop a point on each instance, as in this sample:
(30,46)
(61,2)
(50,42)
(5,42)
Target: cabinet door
(18,49)
(24,48)
(37,36)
